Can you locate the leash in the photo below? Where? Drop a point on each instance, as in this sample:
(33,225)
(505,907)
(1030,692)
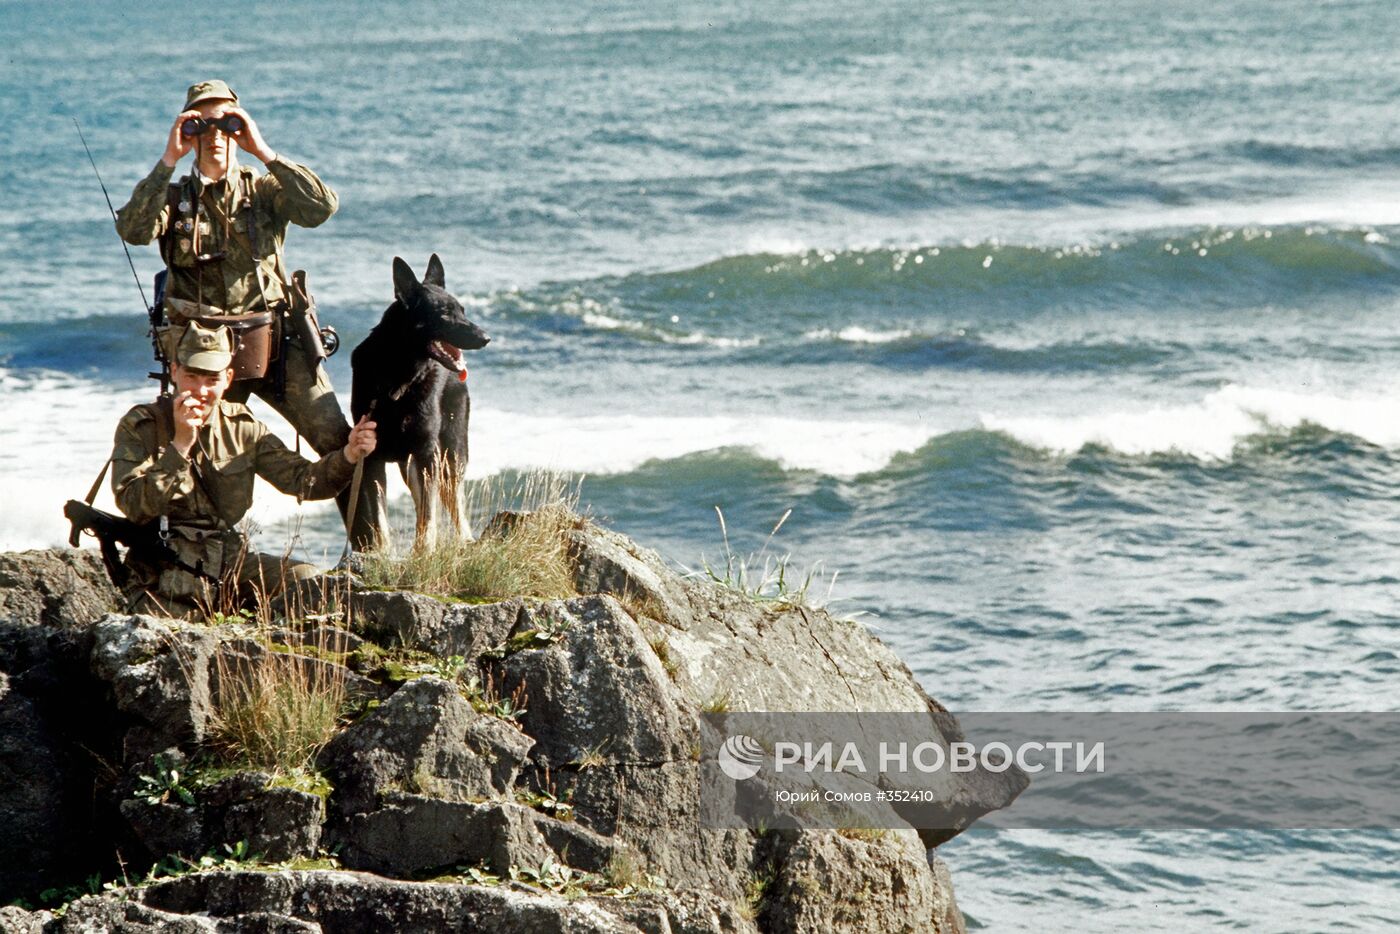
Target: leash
(355,497)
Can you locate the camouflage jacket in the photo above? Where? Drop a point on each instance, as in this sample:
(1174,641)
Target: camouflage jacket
(213,488)
(205,495)
(160,209)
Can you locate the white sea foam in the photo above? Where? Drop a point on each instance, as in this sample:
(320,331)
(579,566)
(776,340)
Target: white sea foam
(609,323)
(603,444)
(58,433)
(858,335)
(1211,428)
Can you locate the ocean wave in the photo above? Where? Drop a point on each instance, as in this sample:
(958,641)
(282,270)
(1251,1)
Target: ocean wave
(889,295)
(1161,263)
(1212,428)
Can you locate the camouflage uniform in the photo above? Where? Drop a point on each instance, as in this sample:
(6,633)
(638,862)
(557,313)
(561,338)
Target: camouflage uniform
(288,193)
(203,497)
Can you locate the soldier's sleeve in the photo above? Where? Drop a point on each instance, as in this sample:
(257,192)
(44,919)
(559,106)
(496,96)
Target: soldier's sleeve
(143,483)
(298,194)
(295,475)
(144,217)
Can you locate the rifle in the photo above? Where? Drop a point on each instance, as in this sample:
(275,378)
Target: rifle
(142,540)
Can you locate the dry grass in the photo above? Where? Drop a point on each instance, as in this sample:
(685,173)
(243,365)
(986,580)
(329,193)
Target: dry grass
(275,711)
(524,551)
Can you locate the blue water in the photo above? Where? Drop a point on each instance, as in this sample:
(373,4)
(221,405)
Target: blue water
(1067,332)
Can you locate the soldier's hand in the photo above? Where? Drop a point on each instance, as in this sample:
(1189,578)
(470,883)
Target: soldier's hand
(190,415)
(178,143)
(362,440)
(250,139)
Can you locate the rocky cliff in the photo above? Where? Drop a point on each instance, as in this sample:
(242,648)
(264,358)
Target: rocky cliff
(525,765)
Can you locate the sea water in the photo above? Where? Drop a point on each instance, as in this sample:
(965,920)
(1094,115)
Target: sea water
(1067,333)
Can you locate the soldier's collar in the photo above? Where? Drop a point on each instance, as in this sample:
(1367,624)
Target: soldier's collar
(232,171)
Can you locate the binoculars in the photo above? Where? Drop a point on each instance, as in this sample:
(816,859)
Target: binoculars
(229,123)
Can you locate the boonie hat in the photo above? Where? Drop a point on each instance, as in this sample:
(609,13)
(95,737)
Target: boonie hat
(208,349)
(214,90)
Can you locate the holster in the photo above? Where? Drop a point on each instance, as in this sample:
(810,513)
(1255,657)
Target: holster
(304,322)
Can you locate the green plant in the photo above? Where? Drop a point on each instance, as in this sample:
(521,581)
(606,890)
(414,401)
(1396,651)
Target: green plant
(622,871)
(59,896)
(165,784)
(488,700)
(764,576)
(755,891)
(661,644)
(553,876)
(547,802)
(219,618)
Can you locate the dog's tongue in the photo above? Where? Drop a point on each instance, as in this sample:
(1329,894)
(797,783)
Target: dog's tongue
(462,373)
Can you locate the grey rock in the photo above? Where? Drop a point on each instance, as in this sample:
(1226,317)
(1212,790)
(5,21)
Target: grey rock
(352,903)
(277,823)
(15,920)
(36,807)
(319,638)
(412,834)
(428,738)
(608,563)
(60,587)
(426,781)
(159,674)
(166,828)
(598,691)
(417,622)
(829,883)
(395,618)
(106,915)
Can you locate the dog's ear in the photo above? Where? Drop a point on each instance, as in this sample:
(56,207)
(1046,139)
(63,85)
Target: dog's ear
(405,282)
(434,274)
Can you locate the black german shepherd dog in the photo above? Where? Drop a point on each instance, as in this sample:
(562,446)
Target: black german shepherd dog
(408,375)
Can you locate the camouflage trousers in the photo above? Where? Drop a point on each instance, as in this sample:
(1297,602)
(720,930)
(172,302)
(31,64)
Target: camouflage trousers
(309,405)
(250,580)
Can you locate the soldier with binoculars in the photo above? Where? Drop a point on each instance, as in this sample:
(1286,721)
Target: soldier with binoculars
(221,229)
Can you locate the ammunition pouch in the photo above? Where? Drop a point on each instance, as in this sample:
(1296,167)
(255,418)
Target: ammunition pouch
(201,557)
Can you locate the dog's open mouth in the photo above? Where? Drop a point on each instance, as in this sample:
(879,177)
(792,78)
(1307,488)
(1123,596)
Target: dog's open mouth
(448,356)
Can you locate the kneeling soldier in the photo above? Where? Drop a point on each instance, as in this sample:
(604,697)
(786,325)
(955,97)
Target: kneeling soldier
(189,463)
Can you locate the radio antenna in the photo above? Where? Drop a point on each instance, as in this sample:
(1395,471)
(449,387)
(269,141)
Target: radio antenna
(113,212)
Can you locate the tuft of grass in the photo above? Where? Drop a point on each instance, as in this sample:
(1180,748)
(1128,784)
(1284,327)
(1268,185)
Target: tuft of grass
(523,551)
(766,576)
(661,645)
(718,702)
(755,891)
(622,870)
(275,712)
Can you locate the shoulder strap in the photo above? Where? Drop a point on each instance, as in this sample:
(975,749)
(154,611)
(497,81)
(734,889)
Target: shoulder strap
(163,414)
(173,192)
(97,484)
